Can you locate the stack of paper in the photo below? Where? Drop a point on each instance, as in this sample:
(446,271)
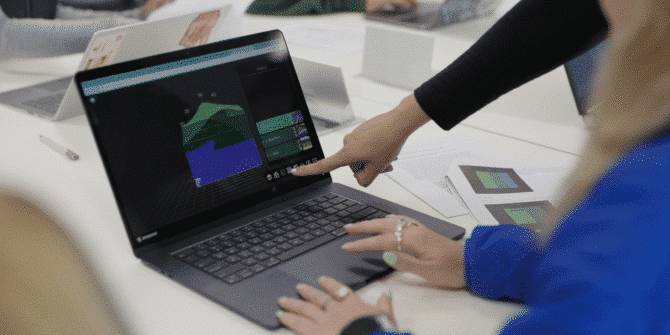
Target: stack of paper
(457,175)
(423,164)
(508,192)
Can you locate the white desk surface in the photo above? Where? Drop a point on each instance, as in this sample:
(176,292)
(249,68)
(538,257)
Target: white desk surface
(78,194)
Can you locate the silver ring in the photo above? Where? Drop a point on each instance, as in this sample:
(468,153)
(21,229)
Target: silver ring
(402,223)
(325,303)
(343,291)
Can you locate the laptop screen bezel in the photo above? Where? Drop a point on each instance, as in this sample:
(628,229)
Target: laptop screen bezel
(230,209)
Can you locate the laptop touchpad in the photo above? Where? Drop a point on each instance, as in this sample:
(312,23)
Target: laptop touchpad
(330,260)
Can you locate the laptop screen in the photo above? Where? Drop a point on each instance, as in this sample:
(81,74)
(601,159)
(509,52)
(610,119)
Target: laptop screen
(581,73)
(192,136)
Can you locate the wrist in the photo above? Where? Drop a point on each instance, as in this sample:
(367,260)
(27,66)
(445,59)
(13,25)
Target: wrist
(409,115)
(368,324)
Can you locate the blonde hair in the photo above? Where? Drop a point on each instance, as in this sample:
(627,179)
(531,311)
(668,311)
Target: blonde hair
(634,89)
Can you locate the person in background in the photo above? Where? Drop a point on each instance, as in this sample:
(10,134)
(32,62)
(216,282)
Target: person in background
(600,263)
(601,266)
(315,7)
(54,29)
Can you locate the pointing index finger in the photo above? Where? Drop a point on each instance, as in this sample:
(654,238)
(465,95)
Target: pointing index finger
(325,165)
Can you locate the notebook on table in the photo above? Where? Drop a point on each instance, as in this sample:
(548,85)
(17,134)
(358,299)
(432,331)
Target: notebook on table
(198,144)
(58,99)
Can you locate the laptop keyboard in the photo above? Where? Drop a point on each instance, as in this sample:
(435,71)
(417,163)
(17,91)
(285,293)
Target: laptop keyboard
(48,104)
(257,246)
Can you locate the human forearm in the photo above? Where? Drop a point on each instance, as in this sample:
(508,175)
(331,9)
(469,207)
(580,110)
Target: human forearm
(408,116)
(532,39)
(304,7)
(71,13)
(29,38)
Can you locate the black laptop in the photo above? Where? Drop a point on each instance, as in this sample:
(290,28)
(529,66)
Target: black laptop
(197,145)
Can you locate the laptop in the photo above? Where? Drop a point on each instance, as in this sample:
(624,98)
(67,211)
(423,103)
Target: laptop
(197,145)
(581,73)
(324,90)
(397,58)
(58,99)
(434,15)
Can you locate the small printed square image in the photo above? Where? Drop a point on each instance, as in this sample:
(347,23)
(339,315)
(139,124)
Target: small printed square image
(305,143)
(492,180)
(297,117)
(520,214)
(300,130)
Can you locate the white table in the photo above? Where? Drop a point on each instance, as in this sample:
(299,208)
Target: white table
(79,196)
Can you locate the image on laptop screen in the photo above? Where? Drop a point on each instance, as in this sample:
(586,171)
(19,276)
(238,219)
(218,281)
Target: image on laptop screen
(218,143)
(200,136)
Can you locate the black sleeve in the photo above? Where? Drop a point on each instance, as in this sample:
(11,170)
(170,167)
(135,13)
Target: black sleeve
(34,9)
(533,38)
(361,326)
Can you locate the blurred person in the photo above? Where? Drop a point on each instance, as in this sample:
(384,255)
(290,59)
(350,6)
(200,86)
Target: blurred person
(48,286)
(56,29)
(600,263)
(315,7)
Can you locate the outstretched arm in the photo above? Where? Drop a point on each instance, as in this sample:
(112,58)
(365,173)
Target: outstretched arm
(30,38)
(533,38)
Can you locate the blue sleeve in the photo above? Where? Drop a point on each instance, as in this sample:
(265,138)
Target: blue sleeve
(607,268)
(497,259)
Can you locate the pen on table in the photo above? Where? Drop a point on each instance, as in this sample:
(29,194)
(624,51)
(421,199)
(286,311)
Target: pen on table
(59,148)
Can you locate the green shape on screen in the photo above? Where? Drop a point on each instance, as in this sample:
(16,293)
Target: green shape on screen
(520,216)
(490,180)
(275,123)
(226,125)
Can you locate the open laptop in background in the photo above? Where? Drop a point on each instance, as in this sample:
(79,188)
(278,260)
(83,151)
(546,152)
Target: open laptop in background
(434,15)
(581,73)
(58,99)
(324,90)
(197,145)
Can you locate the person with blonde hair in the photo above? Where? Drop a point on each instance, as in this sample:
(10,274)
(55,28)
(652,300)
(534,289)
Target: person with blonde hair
(600,263)
(600,266)
(48,286)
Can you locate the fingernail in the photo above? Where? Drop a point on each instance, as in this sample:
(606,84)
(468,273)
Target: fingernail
(347,225)
(345,246)
(389,257)
(300,286)
(278,314)
(282,299)
(389,215)
(292,171)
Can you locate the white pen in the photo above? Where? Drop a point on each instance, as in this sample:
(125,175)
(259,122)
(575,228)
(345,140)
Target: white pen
(59,148)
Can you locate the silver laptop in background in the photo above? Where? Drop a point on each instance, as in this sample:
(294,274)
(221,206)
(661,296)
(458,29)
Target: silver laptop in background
(398,58)
(58,99)
(324,89)
(434,15)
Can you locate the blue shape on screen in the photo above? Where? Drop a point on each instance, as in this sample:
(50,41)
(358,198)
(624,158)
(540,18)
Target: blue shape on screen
(508,180)
(210,165)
